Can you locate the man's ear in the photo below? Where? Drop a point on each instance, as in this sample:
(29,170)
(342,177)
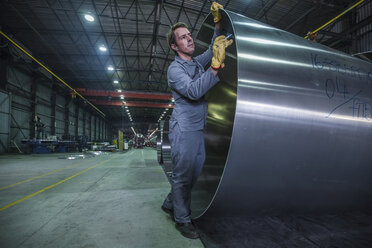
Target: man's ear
(174,47)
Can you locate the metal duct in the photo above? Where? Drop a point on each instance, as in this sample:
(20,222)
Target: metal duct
(289,126)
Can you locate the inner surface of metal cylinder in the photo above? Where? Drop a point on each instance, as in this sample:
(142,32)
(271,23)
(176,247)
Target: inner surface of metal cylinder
(221,111)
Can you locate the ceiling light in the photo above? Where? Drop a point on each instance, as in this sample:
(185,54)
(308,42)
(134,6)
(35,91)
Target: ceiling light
(169,104)
(111,68)
(172,99)
(119,91)
(126,107)
(116,82)
(121,97)
(166,109)
(127,110)
(102,48)
(89,17)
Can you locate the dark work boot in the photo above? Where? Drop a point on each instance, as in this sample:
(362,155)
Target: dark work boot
(187,230)
(168,211)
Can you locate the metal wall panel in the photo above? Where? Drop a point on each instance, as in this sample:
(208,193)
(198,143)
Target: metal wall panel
(20,124)
(5,121)
(44,92)
(365,33)
(19,79)
(21,100)
(60,101)
(43,111)
(60,123)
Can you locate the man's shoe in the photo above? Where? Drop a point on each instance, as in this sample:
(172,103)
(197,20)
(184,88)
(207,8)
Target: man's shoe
(168,211)
(187,230)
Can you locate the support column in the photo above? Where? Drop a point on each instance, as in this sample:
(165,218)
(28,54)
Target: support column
(53,103)
(103,129)
(354,37)
(84,121)
(33,128)
(76,121)
(99,130)
(95,128)
(4,70)
(90,127)
(67,116)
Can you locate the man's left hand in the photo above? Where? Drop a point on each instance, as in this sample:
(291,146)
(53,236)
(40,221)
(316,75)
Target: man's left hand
(219,46)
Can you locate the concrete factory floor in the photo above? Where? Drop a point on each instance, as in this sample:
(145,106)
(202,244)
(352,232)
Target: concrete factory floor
(110,201)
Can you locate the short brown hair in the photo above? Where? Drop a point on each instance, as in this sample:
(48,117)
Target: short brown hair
(171,37)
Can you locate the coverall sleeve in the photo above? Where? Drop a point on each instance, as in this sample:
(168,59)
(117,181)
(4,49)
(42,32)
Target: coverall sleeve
(195,89)
(206,57)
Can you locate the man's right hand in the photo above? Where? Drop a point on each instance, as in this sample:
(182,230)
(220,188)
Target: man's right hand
(215,10)
(219,46)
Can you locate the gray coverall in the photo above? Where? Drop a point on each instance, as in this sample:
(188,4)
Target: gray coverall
(189,83)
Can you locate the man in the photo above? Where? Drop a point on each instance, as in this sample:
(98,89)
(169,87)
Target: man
(189,83)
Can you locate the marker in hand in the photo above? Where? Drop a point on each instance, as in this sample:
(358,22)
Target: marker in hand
(228,37)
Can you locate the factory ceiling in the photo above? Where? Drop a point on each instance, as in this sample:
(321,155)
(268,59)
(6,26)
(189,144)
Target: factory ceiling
(102,47)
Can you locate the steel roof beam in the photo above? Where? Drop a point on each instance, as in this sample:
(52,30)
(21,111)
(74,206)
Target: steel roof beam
(64,28)
(157,17)
(301,17)
(122,44)
(131,104)
(126,94)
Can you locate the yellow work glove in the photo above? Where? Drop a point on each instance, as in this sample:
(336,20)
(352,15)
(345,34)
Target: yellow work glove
(215,10)
(219,47)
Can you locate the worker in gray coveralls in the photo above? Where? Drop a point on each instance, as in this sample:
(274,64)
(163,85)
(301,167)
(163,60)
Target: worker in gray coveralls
(189,83)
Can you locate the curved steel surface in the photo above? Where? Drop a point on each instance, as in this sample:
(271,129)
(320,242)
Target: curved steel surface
(165,145)
(289,126)
(159,142)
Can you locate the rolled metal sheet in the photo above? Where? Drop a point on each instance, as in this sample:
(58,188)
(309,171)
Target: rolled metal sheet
(289,126)
(165,146)
(159,141)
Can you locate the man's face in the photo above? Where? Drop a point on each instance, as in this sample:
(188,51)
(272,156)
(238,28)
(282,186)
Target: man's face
(185,43)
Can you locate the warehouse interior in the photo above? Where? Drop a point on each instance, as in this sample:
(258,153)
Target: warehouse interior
(84,99)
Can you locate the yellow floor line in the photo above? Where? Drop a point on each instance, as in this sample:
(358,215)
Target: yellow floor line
(53,185)
(43,175)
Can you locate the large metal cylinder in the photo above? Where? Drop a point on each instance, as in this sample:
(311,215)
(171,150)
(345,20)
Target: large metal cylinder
(289,125)
(159,143)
